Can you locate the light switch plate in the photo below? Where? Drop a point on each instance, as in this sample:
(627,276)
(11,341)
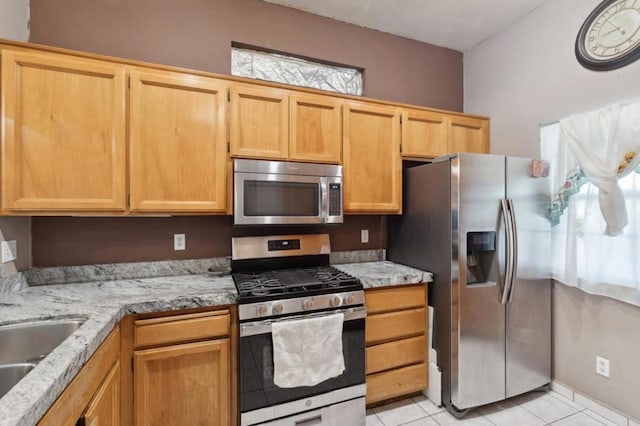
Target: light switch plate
(9,251)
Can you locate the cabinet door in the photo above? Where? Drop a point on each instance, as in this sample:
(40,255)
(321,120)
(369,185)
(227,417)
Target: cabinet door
(468,134)
(104,409)
(64,133)
(316,129)
(259,122)
(183,384)
(178,143)
(424,134)
(372,160)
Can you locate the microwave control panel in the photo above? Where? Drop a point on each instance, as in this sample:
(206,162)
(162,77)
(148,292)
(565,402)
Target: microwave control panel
(335,199)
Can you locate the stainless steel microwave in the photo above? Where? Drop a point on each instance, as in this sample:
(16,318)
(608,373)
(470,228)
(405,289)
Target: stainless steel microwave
(278,192)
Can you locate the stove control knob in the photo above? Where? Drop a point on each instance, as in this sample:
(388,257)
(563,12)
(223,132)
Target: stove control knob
(307,304)
(277,308)
(261,310)
(348,299)
(335,300)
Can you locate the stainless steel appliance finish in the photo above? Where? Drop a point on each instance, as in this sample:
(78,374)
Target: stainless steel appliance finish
(479,223)
(283,278)
(341,407)
(296,305)
(278,192)
(243,248)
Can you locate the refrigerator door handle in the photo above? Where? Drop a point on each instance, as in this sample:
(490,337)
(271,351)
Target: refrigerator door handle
(508,272)
(514,257)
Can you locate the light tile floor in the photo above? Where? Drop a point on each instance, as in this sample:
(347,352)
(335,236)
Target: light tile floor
(531,409)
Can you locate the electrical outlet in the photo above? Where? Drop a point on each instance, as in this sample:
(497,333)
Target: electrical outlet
(9,251)
(364,236)
(179,242)
(602,366)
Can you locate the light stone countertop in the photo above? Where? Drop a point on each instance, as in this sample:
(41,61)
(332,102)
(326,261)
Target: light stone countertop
(104,303)
(385,273)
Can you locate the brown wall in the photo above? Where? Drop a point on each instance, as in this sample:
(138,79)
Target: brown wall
(197,34)
(59,241)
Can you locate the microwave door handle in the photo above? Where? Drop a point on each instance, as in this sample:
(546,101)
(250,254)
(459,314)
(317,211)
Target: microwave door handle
(324,199)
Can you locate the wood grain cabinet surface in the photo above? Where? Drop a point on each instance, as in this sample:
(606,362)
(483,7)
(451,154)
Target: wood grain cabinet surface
(182,370)
(178,148)
(396,344)
(63,133)
(430,134)
(269,123)
(93,396)
(372,159)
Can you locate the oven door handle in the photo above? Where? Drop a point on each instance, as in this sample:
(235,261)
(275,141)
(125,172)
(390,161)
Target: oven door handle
(263,327)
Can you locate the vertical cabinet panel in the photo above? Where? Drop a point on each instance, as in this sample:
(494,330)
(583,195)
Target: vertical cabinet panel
(64,133)
(259,122)
(104,409)
(424,134)
(372,159)
(316,129)
(468,134)
(183,384)
(177,143)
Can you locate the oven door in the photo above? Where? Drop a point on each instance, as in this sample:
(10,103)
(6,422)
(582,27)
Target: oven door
(266,199)
(258,391)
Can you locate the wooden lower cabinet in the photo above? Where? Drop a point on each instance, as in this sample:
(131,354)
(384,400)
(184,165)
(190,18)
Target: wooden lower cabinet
(182,366)
(93,396)
(396,343)
(104,409)
(183,384)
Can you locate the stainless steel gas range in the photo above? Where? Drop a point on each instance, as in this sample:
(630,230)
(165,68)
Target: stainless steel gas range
(282,280)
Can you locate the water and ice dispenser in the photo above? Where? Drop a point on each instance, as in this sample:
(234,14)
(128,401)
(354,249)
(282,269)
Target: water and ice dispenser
(481,251)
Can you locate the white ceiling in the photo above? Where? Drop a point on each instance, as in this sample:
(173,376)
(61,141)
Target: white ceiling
(456,24)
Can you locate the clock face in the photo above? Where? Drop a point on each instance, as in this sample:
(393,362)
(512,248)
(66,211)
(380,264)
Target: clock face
(610,36)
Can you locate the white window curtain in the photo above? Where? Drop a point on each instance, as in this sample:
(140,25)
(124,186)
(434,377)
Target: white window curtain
(605,263)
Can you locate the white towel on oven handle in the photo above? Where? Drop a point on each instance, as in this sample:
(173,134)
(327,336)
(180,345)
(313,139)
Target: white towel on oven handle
(307,351)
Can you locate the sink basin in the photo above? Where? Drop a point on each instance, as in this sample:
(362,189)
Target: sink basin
(30,342)
(11,374)
(23,345)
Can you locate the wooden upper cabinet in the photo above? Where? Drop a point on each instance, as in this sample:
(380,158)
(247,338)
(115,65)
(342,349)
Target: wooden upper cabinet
(467,134)
(424,134)
(183,384)
(372,159)
(259,122)
(64,133)
(315,129)
(178,149)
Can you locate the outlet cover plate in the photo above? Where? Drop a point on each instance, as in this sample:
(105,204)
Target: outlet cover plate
(602,366)
(179,242)
(364,236)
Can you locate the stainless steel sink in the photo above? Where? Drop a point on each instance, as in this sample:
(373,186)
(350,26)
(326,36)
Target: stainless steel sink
(23,345)
(11,374)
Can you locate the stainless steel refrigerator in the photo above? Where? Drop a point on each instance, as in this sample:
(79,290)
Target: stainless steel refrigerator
(479,223)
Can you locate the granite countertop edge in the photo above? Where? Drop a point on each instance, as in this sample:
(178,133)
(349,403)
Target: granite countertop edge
(104,304)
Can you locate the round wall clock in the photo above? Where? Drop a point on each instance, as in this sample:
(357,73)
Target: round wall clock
(610,36)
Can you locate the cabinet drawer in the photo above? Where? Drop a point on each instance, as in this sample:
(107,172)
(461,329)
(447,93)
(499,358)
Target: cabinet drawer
(396,354)
(395,298)
(395,325)
(181,328)
(394,383)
